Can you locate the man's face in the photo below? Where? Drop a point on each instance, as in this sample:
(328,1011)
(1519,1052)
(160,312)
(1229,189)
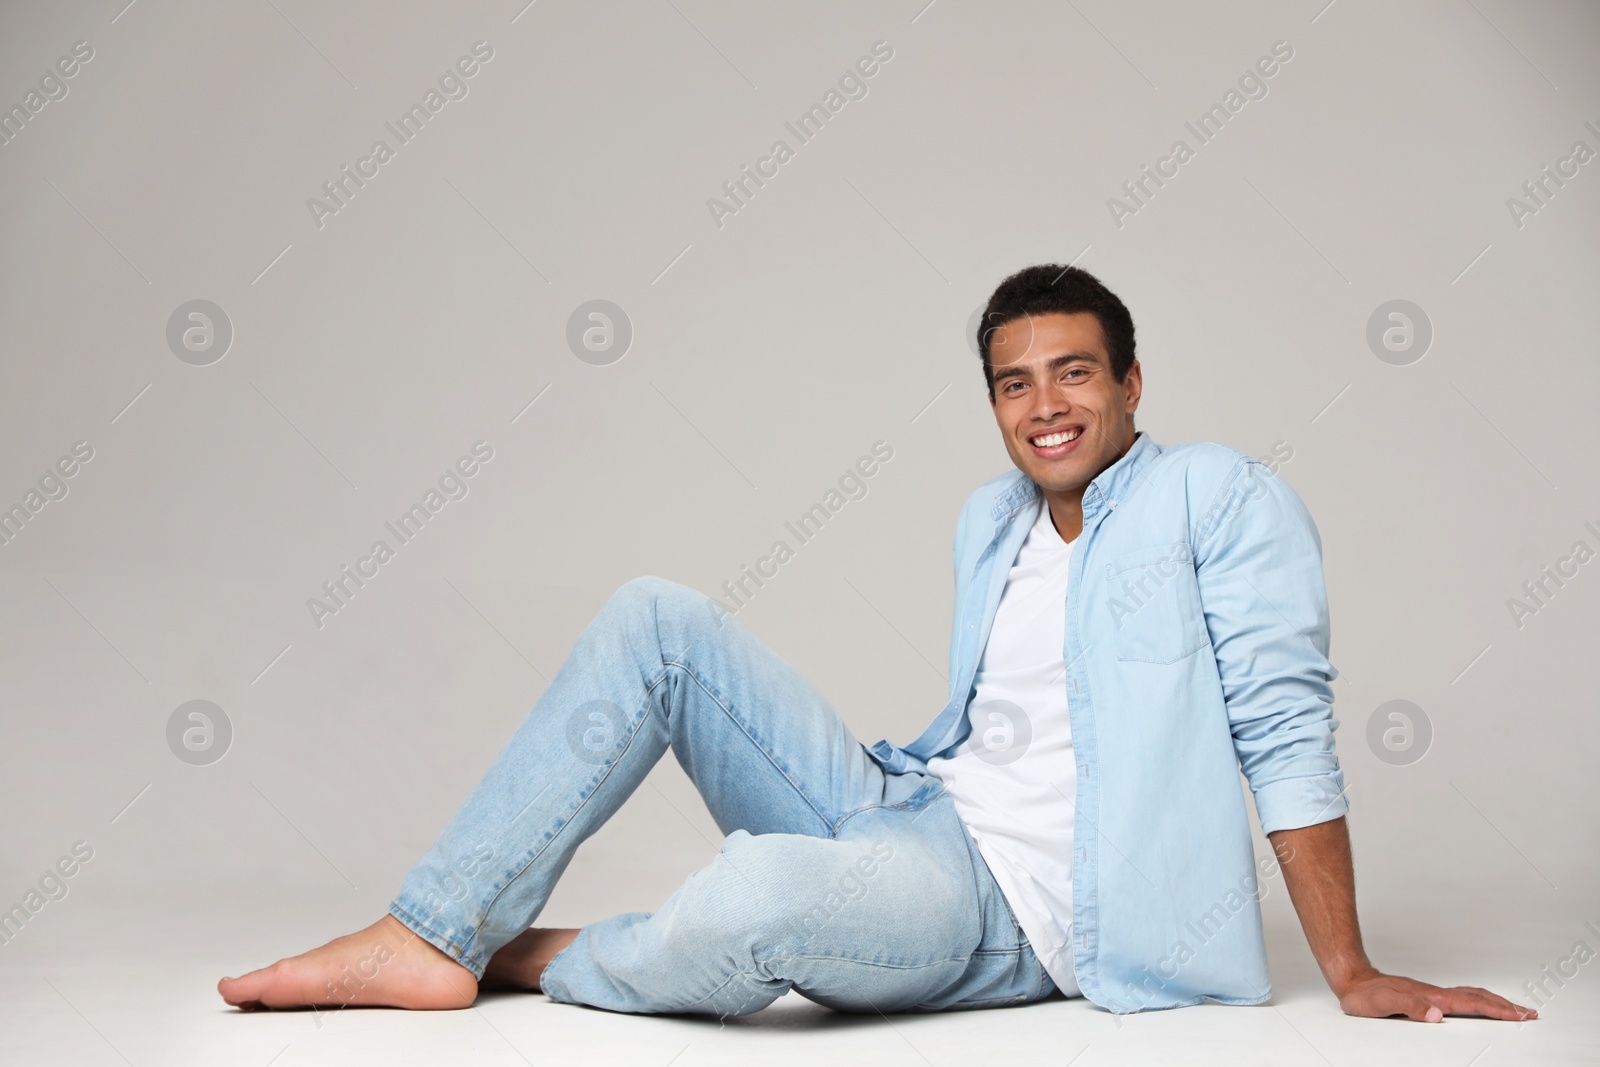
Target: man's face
(1053,380)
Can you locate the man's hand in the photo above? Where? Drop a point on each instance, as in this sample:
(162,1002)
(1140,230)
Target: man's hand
(1378,995)
(1316,866)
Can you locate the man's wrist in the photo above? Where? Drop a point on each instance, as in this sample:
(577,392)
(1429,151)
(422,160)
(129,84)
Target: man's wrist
(1344,975)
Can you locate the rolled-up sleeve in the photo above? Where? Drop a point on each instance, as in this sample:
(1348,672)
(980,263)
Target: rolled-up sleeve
(1258,561)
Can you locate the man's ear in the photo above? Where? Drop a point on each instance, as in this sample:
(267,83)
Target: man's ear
(1133,383)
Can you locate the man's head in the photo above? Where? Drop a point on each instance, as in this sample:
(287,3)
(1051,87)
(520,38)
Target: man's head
(1058,355)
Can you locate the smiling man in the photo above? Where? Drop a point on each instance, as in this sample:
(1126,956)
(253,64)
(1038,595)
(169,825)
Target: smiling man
(1133,626)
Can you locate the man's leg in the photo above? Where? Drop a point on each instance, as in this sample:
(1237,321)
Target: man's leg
(895,913)
(656,667)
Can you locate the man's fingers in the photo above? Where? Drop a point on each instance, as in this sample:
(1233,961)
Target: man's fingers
(1471,1000)
(1389,996)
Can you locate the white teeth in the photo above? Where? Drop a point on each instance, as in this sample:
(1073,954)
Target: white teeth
(1051,440)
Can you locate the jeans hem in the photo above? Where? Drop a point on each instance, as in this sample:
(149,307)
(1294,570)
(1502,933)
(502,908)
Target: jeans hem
(456,953)
(553,959)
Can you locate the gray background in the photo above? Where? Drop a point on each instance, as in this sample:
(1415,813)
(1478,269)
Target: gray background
(768,354)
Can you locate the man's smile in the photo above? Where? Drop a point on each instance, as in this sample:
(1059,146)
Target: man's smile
(1056,441)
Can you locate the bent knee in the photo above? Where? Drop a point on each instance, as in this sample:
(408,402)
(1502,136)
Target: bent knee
(668,603)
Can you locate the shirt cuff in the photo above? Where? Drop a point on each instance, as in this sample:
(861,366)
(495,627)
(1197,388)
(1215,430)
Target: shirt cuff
(1290,803)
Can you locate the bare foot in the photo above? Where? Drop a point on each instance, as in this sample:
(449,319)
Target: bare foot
(385,965)
(521,961)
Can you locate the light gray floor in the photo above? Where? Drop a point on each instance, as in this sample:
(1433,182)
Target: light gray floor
(102,980)
(99,1011)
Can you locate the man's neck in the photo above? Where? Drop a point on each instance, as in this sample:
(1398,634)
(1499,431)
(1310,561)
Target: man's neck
(1066,513)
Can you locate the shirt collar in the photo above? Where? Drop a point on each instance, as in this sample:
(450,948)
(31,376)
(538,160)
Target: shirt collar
(1108,488)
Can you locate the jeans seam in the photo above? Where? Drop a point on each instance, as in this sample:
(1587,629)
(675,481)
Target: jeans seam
(737,973)
(874,963)
(582,801)
(689,670)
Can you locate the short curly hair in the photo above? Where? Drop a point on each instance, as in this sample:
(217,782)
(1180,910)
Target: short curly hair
(1050,288)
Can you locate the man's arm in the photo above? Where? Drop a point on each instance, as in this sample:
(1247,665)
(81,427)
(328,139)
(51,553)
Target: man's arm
(1316,866)
(1259,564)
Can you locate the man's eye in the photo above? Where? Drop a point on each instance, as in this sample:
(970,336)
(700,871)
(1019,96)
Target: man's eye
(1075,370)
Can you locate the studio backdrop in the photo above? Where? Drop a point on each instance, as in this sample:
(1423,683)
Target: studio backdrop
(352,356)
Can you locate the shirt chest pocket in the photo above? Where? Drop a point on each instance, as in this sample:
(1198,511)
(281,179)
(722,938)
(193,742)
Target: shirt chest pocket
(1152,604)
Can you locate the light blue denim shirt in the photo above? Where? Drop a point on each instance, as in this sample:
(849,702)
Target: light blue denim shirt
(1196,646)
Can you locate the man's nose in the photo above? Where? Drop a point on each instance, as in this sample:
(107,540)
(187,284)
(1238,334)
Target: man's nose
(1051,400)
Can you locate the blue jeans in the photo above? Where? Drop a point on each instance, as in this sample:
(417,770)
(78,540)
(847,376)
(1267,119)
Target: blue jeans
(860,889)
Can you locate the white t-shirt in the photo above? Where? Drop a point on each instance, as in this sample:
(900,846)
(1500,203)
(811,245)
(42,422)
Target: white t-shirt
(1014,778)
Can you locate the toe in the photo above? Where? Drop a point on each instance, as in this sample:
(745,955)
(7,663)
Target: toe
(246,988)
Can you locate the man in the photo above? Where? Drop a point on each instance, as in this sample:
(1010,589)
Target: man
(1133,625)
